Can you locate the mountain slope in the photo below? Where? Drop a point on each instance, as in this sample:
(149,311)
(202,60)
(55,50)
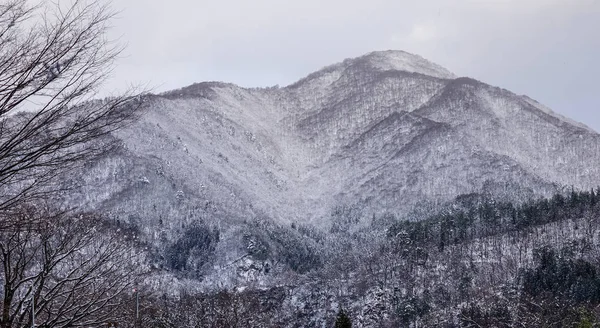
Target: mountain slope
(385,132)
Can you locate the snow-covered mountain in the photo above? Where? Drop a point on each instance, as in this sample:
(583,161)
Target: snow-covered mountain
(385,132)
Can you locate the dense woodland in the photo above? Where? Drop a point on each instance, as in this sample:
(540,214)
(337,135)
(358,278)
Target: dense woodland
(476,263)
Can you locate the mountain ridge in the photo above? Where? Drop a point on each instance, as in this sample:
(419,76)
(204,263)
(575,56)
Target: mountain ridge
(337,116)
(388,60)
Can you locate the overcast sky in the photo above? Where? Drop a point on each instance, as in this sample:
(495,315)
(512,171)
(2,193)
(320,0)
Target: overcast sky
(547,49)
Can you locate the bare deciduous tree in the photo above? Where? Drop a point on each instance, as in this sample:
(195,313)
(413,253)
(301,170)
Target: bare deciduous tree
(64,271)
(53,61)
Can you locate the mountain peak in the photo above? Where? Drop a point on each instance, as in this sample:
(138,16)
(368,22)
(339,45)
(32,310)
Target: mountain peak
(399,60)
(379,61)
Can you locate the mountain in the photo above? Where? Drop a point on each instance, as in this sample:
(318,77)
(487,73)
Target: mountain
(387,132)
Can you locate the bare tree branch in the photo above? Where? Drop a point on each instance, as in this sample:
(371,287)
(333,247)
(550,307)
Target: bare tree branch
(53,60)
(74,270)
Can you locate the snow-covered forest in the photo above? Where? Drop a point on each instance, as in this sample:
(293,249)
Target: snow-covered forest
(475,263)
(381,191)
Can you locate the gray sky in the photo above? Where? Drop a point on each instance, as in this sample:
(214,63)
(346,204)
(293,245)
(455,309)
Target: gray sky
(547,49)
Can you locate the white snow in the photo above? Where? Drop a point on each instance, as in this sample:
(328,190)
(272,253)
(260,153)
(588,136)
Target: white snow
(404,61)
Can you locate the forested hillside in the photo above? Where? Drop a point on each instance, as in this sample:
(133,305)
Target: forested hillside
(476,263)
(214,175)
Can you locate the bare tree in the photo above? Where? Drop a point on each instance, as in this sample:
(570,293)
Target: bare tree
(53,61)
(65,271)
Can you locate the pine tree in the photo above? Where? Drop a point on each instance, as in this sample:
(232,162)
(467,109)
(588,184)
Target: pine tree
(343,321)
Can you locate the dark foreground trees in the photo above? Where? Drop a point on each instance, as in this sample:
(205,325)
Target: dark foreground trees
(64,271)
(58,269)
(53,60)
(342,320)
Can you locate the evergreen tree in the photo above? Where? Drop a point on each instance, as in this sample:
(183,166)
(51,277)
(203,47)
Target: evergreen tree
(342,320)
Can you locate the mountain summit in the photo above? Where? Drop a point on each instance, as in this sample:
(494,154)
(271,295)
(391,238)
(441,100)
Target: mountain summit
(404,61)
(395,60)
(381,61)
